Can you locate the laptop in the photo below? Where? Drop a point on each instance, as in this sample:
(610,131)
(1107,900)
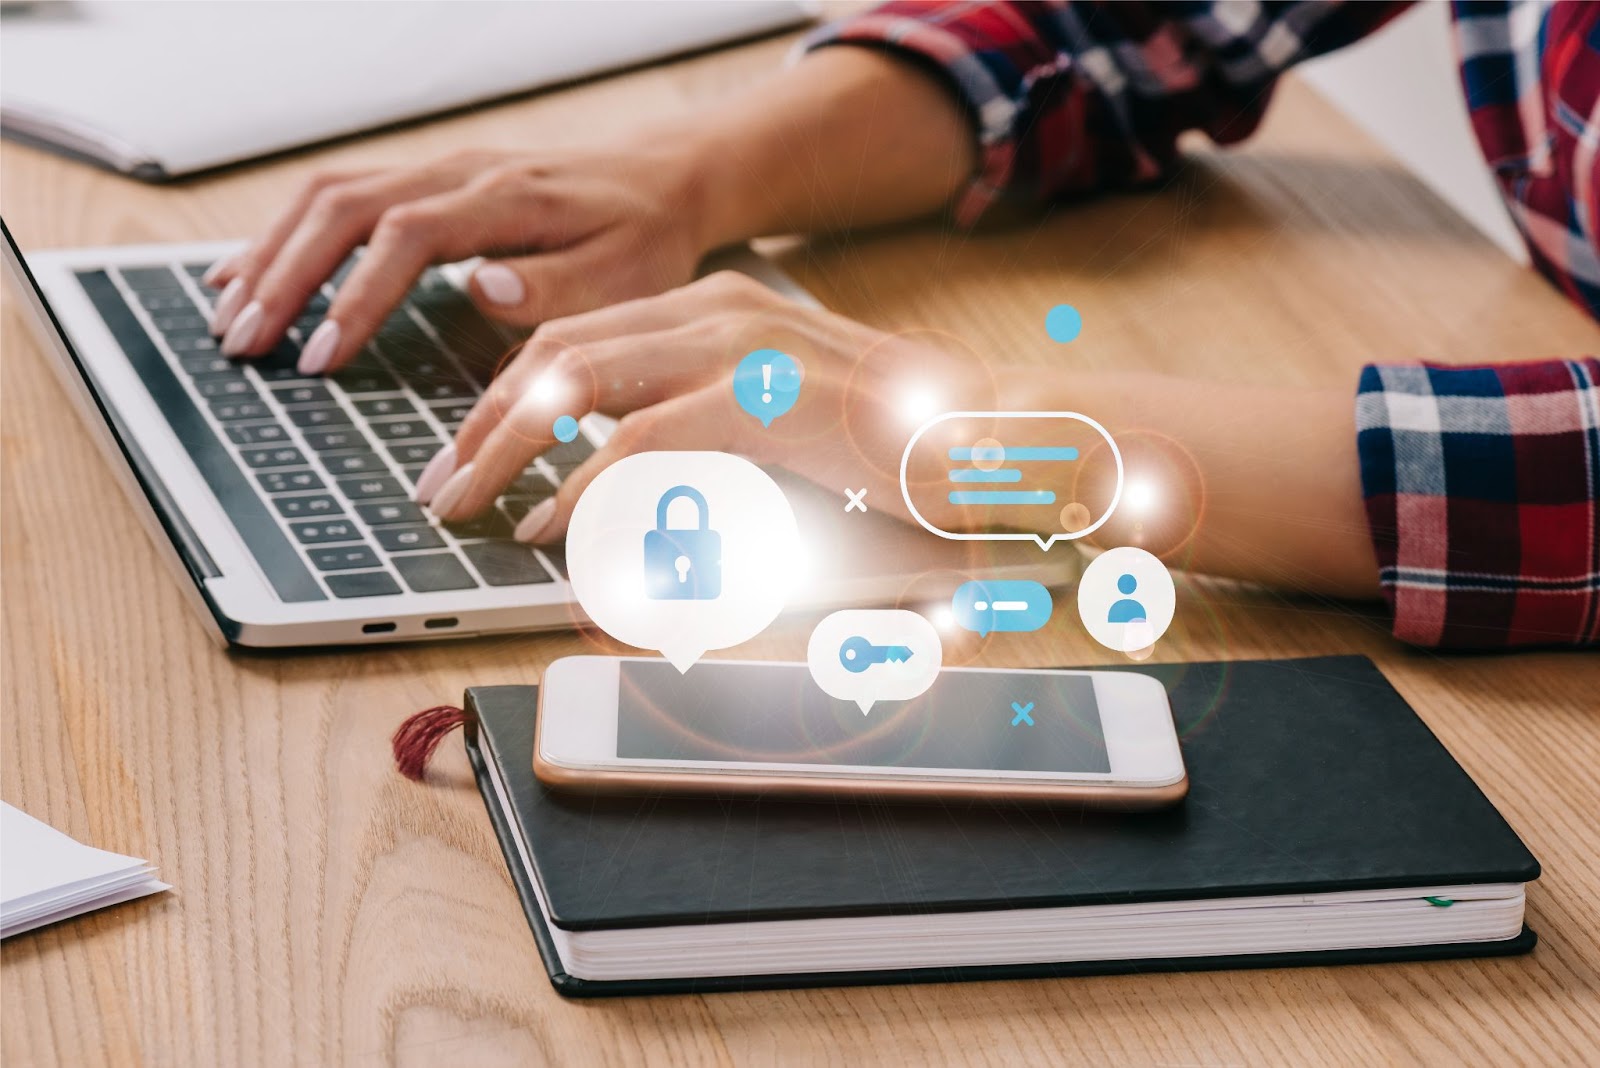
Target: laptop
(284,502)
(160,90)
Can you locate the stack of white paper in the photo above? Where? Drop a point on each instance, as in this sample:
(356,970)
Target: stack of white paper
(46,876)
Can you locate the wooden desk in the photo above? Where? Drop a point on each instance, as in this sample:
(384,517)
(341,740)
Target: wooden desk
(328,911)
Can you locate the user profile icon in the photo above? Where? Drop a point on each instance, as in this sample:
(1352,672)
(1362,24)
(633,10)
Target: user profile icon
(1126,599)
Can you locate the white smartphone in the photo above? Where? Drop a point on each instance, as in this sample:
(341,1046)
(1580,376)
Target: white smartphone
(631,724)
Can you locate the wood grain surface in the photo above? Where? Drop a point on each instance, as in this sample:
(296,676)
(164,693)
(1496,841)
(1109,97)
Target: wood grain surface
(327,911)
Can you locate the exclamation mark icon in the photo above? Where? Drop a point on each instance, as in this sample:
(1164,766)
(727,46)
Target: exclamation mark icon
(766,383)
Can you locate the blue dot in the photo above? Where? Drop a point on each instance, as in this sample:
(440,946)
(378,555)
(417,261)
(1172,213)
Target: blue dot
(1127,583)
(566,428)
(1063,323)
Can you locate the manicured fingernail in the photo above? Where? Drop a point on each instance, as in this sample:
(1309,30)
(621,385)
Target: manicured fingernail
(451,492)
(441,467)
(319,350)
(228,304)
(536,520)
(242,334)
(216,269)
(500,284)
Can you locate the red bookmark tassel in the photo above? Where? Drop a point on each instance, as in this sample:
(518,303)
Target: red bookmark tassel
(417,738)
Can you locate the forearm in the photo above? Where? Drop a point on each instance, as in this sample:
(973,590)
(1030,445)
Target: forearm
(1257,483)
(847,137)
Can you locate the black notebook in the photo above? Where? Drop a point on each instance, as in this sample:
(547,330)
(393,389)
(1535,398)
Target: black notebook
(1324,824)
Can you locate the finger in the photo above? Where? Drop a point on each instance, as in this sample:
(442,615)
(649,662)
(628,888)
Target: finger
(405,240)
(238,274)
(337,218)
(698,421)
(511,425)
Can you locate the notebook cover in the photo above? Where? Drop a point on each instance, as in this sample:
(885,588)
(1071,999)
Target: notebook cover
(1306,776)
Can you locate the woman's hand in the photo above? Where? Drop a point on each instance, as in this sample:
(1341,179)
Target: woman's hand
(563,232)
(664,365)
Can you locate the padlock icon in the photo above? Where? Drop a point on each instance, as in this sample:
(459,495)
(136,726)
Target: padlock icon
(683,565)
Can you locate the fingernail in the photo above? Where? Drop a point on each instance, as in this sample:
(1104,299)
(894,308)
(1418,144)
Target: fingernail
(441,467)
(216,269)
(500,284)
(242,334)
(536,520)
(228,305)
(451,492)
(320,347)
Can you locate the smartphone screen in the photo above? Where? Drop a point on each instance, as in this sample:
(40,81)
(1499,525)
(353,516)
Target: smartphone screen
(764,713)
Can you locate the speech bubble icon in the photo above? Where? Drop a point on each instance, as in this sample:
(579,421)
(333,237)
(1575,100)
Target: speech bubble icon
(683,552)
(868,655)
(1002,604)
(1042,477)
(767,383)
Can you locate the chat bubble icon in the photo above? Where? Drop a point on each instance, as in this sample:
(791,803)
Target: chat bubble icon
(767,383)
(868,655)
(1002,605)
(1042,477)
(683,552)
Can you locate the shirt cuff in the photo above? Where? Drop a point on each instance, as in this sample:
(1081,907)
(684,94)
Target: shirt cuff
(1481,488)
(933,46)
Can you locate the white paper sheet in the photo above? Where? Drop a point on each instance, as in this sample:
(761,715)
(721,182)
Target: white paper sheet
(46,876)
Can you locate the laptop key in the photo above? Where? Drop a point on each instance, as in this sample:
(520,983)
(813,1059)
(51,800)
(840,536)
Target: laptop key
(390,513)
(362,584)
(319,504)
(355,463)
(401,429)
(358,379)
(428,572)
(215,387)
(325,530)
(285,456)
(204,365)
(149,277)
(279,365)
(187,342)
(196,271)
(313,418)
(166,300)
(569,453)
(169,323)
(506,563)
(344,558)
(451,412)
(369,489)
(335,440)
(405,539)
(383,407)
(257,434)
(235,411)
(289,481)
(517,507)
(291,393)
(491,524)
(414,452)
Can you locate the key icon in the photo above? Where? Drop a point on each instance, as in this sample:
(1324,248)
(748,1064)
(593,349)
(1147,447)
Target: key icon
(857,654)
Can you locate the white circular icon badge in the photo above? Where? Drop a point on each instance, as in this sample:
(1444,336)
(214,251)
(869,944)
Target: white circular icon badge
(1126,599)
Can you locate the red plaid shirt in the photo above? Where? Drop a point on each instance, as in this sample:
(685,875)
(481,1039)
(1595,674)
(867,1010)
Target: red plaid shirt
(1482,483)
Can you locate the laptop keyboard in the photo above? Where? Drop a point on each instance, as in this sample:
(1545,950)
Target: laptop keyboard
(317,473)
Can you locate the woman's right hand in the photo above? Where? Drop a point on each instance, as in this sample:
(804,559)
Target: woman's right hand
(561,232)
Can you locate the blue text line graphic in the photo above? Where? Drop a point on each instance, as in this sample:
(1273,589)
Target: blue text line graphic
(1002,497)
(972,474)
(1002,454)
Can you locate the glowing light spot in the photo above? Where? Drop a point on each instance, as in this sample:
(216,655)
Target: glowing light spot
(988,454)
(918,404)
(1075,516)
(1139,496)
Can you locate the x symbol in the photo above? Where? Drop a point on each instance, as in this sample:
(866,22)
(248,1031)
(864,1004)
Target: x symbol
(1022,711)
(855,499)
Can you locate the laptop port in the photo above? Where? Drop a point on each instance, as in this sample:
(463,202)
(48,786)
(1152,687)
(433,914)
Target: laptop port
(377,628)
(441,623)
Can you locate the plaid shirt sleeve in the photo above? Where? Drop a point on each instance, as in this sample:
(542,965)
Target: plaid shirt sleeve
(1482,487)
(1075,97)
